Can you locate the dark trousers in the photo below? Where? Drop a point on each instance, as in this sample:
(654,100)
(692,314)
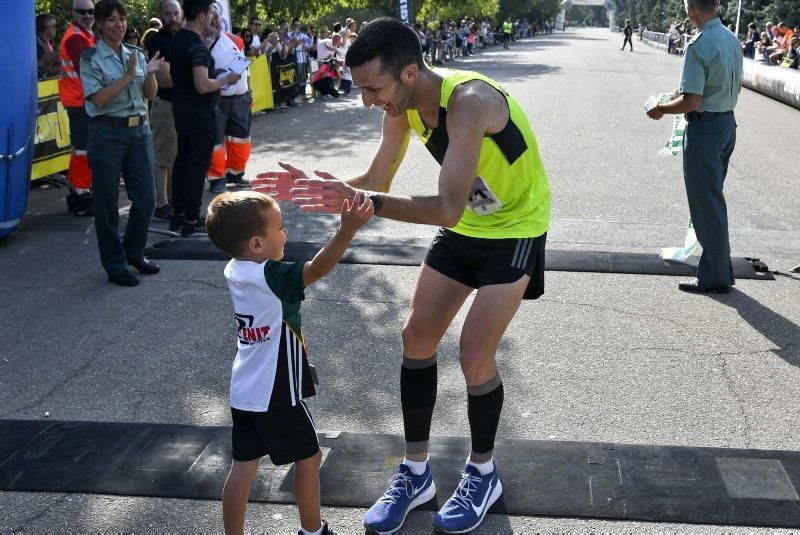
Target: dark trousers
(197,134)
(707,147)
(128,152)
(627,41)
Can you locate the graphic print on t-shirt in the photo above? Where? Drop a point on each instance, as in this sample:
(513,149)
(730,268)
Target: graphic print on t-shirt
(248,334)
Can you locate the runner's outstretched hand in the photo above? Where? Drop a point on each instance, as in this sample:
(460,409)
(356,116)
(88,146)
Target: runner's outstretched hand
(277,184)
(323,194)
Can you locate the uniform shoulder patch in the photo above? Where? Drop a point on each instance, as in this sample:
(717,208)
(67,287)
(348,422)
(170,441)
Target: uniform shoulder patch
(88,53)
(694,38)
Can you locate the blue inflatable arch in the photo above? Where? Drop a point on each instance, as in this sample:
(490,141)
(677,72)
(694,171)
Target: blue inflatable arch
(18,86)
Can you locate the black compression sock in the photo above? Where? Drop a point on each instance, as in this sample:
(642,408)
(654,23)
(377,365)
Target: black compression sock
(418,396)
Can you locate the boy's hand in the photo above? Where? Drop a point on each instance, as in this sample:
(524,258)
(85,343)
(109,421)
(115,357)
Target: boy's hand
(277,184)
(355,214)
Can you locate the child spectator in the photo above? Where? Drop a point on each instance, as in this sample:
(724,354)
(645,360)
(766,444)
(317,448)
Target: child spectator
(750,43)
(271,374)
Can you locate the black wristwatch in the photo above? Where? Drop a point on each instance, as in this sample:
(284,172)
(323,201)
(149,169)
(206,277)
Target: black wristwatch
(377,202)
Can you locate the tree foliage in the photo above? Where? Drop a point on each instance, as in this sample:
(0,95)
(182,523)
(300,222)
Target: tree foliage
(657,15)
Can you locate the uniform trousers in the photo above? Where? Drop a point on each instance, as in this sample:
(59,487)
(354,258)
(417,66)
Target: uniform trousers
(708,143)
(115,151)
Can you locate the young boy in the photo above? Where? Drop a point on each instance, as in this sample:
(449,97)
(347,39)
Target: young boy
(271,374)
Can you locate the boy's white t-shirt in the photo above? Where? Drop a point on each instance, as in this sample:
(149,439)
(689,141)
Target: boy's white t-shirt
(271,368)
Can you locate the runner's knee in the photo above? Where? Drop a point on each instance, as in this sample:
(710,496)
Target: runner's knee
(417,341)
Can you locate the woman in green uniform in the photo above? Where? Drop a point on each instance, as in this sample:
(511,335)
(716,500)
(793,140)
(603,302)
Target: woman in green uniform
(116,81)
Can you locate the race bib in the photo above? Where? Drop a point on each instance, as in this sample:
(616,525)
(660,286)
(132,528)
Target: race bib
(482,201)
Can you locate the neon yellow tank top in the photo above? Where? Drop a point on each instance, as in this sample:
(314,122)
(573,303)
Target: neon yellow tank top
(510,197)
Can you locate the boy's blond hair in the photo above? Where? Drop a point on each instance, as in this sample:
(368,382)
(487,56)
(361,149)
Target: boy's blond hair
(234,218)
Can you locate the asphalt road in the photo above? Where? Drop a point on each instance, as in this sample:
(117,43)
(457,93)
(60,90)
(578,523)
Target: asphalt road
(612,358)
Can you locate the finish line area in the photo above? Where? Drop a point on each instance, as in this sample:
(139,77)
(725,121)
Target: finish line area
(553,478)
(411,254)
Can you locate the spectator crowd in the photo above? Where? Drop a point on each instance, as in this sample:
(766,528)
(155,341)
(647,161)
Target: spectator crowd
(200,120)
(775,44)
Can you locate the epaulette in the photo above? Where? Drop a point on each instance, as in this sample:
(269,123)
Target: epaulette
(694,38)
(88,53)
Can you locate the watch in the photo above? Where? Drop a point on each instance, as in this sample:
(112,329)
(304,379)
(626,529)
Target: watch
(377,202)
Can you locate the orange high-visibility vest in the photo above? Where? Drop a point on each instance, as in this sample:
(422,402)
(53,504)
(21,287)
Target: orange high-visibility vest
(70,89)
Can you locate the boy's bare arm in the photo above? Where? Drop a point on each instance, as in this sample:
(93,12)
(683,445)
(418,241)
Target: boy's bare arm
(355,215)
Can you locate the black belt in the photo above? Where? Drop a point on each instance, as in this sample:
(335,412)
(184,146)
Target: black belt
(706,115)
(120,122)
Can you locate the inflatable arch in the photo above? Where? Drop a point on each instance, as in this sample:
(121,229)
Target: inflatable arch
(611,10)
(18,110)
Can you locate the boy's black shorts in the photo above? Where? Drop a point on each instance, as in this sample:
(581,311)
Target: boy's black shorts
(478,262)
(286,435)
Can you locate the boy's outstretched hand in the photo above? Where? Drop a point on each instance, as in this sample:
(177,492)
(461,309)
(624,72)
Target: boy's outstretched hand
(357,212)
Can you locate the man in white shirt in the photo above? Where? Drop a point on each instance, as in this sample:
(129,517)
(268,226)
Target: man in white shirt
(255,29)
(233,146)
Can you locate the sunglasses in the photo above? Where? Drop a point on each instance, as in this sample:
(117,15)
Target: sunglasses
(84,11)
(256,23)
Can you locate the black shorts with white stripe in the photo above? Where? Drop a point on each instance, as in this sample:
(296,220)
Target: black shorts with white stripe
(478,262)
(287,435)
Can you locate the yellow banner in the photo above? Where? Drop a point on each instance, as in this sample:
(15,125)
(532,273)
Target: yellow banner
(261,84)
(51,149)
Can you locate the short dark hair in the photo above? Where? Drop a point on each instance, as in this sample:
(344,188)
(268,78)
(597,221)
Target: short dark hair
(43,20)
(104,8)
(194,8)
(254,18)
(388,39)
(704,5)
(233,218)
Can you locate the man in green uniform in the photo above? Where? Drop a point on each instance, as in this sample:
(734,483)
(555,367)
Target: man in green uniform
(710,83)
(493,203)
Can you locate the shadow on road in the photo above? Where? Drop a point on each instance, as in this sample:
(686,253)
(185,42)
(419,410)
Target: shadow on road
(782,332)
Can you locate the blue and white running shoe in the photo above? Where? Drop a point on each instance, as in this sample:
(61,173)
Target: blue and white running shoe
(465,509)
(406,491)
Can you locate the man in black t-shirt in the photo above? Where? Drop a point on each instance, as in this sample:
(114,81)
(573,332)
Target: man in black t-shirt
(162,122)
(195,96)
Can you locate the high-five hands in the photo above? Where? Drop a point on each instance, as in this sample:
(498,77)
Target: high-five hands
(323,194)
(356,213)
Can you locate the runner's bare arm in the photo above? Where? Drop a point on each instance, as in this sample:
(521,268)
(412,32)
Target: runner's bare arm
(472,112)
(396,133)
(470,115)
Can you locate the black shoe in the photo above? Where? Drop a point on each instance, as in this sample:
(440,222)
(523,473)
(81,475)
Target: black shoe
(693,286)
(237,180)
(163,212)
(192,228)
(325,530)
(124,278)
(145,266)
(217,185)
(80,204)
(176,222)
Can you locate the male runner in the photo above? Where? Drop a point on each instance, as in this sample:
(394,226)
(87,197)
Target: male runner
(494,206)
